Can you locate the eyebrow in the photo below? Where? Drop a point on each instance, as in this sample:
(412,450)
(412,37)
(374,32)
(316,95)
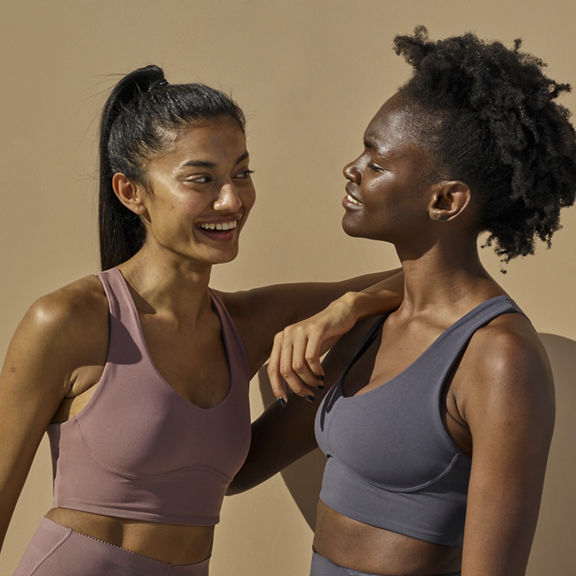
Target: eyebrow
(208,164)
(370,145)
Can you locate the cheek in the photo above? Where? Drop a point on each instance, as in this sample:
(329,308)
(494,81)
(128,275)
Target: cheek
(249,198)
(192,205)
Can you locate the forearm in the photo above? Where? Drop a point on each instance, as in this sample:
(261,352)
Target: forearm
(378,298)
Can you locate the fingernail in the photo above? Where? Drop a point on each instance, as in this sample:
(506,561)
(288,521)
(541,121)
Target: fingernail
(310,398)
(320,386)
(282,402)
(319,376)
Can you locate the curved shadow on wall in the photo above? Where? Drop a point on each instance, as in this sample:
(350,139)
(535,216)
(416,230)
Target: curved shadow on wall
(303,478)
(553,552)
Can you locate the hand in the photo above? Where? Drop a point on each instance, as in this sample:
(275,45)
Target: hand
(295,361)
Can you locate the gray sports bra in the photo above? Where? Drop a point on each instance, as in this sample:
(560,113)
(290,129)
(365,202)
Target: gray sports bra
(390,461)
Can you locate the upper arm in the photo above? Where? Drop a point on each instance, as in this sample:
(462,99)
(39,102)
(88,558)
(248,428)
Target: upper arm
(260,313)
(36,375)
(508,405)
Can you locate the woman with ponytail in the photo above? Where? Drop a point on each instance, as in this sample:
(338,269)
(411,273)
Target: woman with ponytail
(140,373)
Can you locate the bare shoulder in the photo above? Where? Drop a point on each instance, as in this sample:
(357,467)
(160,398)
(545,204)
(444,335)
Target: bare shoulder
(505,366)
(249,303)
(253,318)
(60,332)
(236,302)
(507,345)
(78,306)
(68,326)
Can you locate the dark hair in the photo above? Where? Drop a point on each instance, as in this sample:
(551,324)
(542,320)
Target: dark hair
(141,111)
(496,127)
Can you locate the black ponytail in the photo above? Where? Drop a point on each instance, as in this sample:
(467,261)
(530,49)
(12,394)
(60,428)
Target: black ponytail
(139,112)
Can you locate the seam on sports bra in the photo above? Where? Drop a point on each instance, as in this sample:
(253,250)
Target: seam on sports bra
(95,457)
(407,489)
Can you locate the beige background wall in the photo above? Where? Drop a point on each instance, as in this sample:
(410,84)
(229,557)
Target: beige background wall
(309,75)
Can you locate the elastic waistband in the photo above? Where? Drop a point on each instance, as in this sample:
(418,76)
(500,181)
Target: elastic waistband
(59,550)
(322,566)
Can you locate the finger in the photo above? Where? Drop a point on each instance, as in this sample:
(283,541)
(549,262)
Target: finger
(299,362)
(289,374)
(299,388)
(313,354)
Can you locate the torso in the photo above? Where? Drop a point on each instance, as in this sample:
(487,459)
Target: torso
(177,353)
(367,548)
(359,546)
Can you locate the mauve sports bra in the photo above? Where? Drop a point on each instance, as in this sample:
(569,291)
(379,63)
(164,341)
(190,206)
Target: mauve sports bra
(139,450)
(391,463)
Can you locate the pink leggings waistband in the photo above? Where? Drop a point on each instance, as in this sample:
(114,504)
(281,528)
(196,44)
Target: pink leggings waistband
(56,550)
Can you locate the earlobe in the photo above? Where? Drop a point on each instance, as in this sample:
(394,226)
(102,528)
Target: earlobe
(129,193)
(449,200)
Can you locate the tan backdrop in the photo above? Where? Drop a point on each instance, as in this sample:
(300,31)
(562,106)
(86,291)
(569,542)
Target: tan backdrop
(309,74)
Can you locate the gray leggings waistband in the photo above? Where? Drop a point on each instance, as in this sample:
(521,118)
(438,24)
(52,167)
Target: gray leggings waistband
(321,566)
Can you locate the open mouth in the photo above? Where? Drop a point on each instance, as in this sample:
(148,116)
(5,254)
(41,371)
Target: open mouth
(352,200)
(225,230)
(219,226)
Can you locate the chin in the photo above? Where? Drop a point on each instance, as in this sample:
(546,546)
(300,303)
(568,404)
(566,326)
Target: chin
(352,230)
(224,258)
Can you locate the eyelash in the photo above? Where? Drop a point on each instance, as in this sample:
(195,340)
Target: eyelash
(375,167)
(206,179)
(245,173)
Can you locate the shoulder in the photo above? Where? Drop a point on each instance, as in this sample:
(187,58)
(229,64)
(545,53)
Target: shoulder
(74,305)
(61,331)
(250,316)
(508,345)
(505,371)
(246,302)
(67,321)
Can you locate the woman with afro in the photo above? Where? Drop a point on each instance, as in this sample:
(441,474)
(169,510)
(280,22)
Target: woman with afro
(437,431)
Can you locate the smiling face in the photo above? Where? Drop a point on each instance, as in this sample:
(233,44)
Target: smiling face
(198,193)
(386,191)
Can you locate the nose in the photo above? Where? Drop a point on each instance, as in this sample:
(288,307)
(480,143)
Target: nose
(352,172)
(228,199)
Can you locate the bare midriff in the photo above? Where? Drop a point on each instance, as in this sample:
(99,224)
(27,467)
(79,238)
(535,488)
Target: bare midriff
(174,544)
(366,548)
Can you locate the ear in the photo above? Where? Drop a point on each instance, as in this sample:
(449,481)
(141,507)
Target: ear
(129,193)
(449,200)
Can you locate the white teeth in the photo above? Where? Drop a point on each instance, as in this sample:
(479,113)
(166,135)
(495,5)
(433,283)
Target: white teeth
(220,225)
(353,200)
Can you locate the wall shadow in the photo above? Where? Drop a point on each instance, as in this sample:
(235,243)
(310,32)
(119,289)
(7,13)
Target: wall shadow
(304,477)
(553,552)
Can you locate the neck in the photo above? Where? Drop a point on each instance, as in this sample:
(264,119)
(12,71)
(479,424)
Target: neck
(172,286)
(449,279)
